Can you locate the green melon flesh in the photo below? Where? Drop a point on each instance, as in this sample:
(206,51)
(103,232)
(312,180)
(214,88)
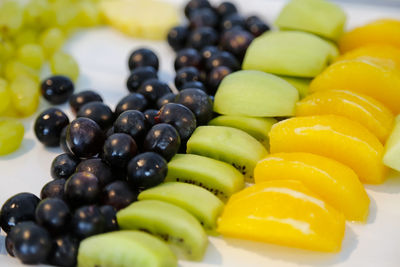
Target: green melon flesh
(175,225)
(227,144)
(255,126)
(218,177)
(125,249)
(255,94)
(301,84)
(202,204)
(391,157)
(289,53)
(320,17)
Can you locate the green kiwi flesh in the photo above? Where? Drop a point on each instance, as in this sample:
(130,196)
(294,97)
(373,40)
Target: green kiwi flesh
(255,126)
(202,204)
(218,177)
(125,249)
(227,144)
(176,226)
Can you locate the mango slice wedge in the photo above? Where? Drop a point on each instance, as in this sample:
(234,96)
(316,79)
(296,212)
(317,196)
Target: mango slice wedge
(306,221)
(374,77)
(334,137)
(363,109)
(334,182)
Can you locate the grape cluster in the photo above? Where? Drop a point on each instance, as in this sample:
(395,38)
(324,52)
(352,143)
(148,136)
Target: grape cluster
(212,44)
(110,155)
(32,34)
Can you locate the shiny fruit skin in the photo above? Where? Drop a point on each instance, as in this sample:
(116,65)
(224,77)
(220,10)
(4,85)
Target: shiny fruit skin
(82,188)
(198,102)
(152,90)
(256,26)
(110,216)
(31,243)
(223,59)
(215,78)
(98,112)
(180,117)
(57,89)
(232,21)
(187,57)
(146,170)
(177,37)
(53,214)
(133,101)
(202,37)
(226,8)
(97,167)
(63,166)
(150,115)
(88,221)
(118,194)
(53,189)
(63,140)
(163,139)
(11,135)
(132,122)
(48,126)
(18,208)
(139,76)
(118,150)
(143,57)
(76,101)
(84,137)
(204,17)
(193,5)
(65,251)
(193,85)
(165,99)
(186,74)
(237,41)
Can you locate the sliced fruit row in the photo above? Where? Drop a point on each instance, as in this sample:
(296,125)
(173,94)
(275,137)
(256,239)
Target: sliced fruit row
(336,144)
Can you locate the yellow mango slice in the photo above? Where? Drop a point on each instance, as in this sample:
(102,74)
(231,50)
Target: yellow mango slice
(381,51)
(283,212)
(383,31)
(372,77)
(334,182)
(334,137)
(372,114)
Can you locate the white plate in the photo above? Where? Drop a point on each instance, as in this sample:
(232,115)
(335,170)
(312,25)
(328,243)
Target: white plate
(102,55)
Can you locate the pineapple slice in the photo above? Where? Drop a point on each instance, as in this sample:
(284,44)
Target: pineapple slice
(149,19)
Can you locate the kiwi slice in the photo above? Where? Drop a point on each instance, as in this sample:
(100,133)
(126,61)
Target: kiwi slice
(228,144)
(125,249)
(216,176)
(173,224)
(201,203)
(255,126)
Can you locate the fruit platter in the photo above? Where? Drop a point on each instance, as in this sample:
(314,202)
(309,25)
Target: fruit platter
(199,133)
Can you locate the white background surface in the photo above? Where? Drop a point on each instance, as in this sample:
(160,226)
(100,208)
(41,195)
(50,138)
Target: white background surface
(102,55)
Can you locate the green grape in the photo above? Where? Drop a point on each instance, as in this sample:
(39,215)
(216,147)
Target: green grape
(11,16)
(25,95)
(7,50)
(31,55)
(26,36)
(37,14)
(66,14)
(88,14)
(5,96)
(11,135)
(14,69)
(51,40)
(64,64)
